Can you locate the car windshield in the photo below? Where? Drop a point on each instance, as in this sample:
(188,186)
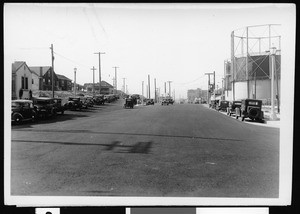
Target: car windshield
(43,102)
(16,104)
(254,103)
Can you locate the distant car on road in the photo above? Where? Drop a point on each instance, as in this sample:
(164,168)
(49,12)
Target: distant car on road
(165,102)
(250,108)
(22,110)
(232,106)
(150,102)
(129,103)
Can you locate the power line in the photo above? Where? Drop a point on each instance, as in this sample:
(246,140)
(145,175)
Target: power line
(190,81)
(70,59)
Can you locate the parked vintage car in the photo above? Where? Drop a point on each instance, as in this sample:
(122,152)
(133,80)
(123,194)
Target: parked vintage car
(22,110)
(232,106)
(98,99)
(84,102)
(222,105)
(213,104)
(89,101)
(250,108)
(73,103)
(57,105)
(44,106)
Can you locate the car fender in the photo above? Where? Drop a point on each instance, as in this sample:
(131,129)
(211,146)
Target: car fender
(17,114)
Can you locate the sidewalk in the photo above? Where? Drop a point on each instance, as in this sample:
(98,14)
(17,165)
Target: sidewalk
(268,122)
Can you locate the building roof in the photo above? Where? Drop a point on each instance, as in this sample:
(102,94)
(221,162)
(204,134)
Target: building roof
(103,83)
(36,69)
(16,65)
(62,77)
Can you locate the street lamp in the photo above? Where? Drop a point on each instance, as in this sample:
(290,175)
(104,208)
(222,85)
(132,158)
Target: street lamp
(75,69)
(272,58)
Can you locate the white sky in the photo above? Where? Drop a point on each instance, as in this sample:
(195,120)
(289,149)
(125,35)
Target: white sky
(170,42)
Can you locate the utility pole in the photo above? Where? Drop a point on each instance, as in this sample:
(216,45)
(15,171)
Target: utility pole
(272,54)
(169,88)
(142,92)
(123,85)
(208,90)
(116,88)
(75,69)
(149,86)
(165,89)
(155,90)
(52,70)
(99,53)
(93,79)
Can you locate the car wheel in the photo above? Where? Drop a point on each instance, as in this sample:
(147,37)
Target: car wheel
(18,119)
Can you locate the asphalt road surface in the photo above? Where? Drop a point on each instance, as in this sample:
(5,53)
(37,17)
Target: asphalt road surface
(176,150)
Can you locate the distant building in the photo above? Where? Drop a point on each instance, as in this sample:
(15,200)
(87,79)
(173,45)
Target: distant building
(106,88)
(64,83)
(193,94)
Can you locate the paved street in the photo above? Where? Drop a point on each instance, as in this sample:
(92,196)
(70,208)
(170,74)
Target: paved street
(180,150)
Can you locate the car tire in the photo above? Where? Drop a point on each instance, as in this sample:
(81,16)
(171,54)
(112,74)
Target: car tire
(18,119)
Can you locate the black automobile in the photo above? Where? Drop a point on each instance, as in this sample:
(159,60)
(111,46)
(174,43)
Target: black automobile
(44,106)
(232,106)
(74,103)
(129,103)
(22,110)
(57,105)
(150,102)
(165,102)
(250,108)
(222,105)
(98,99)
(171,101)
(213,104)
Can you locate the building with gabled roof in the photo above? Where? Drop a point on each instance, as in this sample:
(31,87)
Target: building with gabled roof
(45,77)
(106,88)
(64,83)
(23,80)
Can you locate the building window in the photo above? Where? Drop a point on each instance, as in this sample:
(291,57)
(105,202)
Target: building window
(24,82)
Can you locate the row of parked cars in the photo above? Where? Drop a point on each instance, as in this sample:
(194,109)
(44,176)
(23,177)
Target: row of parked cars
(245,108)
(43,107)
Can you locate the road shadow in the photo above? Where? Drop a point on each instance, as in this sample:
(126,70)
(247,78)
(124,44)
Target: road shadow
(53,119)
(115,146)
